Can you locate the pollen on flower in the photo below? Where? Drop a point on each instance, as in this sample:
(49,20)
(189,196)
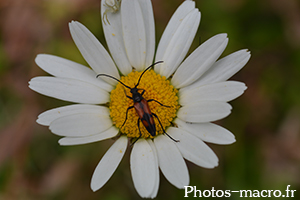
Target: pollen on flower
(157,88)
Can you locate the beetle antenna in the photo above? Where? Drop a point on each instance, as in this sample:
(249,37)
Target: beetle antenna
(114,79)
(146,70)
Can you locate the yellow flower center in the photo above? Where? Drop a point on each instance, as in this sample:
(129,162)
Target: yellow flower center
(157,88)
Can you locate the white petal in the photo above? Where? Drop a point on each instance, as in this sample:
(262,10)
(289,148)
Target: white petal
(199,61)
(109,133)
(171,162)
(79,125)
(194,149)
(143,168)
(207,132)
(147,12)
(93,51)
(69,90)
(204,111)
(114,37)
(134,33)
(223,69)
(222,91)
(179,44)
(50,115)
(64,68)
(181,12)
(155,190)
(109,163)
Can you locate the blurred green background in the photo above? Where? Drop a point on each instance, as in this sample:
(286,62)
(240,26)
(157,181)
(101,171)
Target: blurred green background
(265,120)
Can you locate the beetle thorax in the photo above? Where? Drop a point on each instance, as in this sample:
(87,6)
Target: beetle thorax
(136,96)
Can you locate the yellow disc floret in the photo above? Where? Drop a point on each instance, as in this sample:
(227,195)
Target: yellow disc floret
(157,88)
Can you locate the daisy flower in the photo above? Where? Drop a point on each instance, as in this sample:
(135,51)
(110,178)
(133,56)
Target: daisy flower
(194,90)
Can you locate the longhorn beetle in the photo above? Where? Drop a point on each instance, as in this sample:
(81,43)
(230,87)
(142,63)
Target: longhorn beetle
(141,106)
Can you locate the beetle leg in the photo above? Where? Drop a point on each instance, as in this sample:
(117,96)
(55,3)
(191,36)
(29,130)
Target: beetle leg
(126,94)
(164,129)
(126,115)
(158,103)
(138,123)
(142,91)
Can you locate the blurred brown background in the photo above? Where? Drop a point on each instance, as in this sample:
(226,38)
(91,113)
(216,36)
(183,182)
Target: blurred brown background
(265,120)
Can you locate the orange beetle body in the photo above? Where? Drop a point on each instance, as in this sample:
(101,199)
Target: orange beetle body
(145,115)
